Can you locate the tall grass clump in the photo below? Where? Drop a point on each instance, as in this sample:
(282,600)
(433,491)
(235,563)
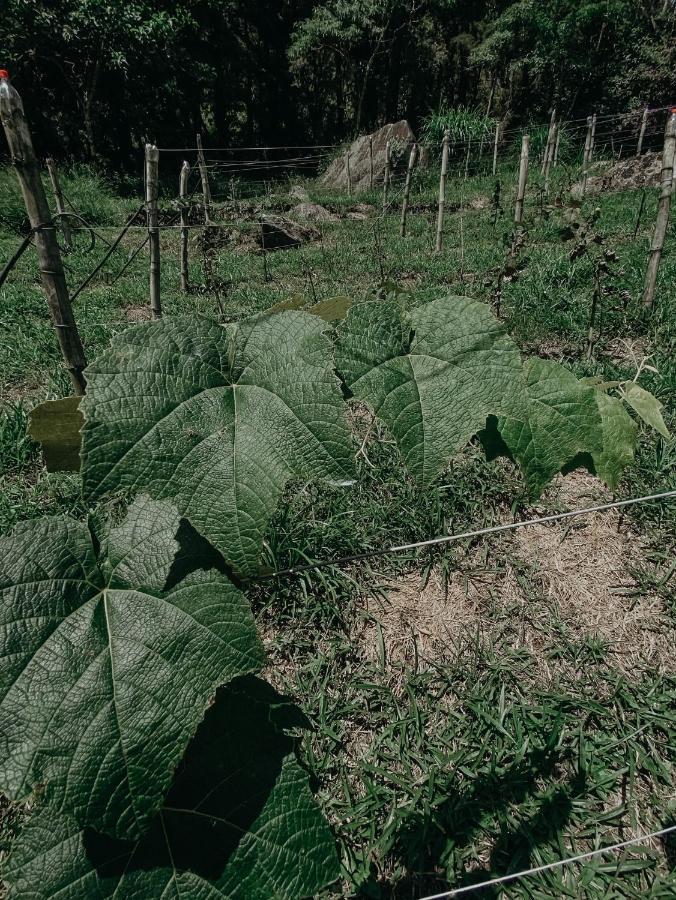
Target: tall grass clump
(464,124)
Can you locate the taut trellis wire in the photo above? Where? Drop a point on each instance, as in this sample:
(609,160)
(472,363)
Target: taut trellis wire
(559,863)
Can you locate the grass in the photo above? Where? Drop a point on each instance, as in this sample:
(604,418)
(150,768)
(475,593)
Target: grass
(519,736)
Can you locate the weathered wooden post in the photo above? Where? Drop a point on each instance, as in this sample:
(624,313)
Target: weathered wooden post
(370,162)
(204,177)
(557,144)
(183,200)
(58,199)
(496,141)
(641,134)
(523,178)
(152,194)
(386,175)
(348,174)
(413,156)
(445,146)
(549,157)
(549,146)
(469,144)
(663,207)
(49,258)
(592,142)
(586,157)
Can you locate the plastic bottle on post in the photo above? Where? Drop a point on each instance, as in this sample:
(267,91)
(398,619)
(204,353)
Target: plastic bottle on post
(9,97)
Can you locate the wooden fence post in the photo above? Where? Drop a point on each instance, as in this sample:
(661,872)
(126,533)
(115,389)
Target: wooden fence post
(469,144)
(206,190)
(49,258)
(586,157)
(370,162)
(663,207)
(386,175)
(413,156)
(523,178)
(183,199)
(496,140)
(549,154)
(348,174)
(641,134)
(152,193)
(58,199)
(557,144)
(592,142)
(445,145)
(549,146)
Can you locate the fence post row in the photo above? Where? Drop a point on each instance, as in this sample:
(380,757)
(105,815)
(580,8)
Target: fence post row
(412,159)
(49,258)
(58,199)
(523,178)
(386,175)
(152,160)
(183,198)
(663,208)
(204,177)
(445,145)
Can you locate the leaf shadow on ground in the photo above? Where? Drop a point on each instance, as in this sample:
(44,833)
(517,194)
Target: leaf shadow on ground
(429,841)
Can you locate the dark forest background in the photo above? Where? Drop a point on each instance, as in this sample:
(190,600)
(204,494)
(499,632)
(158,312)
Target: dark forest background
(98,77)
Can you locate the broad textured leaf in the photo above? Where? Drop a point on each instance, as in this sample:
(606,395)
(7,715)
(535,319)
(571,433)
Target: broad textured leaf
(218,420)
(433,377)
(238,822)
(619,439)
(106,670)
(647,406)
(560,420)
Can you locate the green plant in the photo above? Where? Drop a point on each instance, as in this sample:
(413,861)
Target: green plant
(123,707)
(463,123)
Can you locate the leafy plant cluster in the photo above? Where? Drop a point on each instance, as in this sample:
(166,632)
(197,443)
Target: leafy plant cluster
(464,124)
(131,713)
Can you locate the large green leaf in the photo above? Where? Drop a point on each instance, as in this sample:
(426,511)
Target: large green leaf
(108,667)
(216,419)
(433,377)
(560,421)
(238,822)
(619,439)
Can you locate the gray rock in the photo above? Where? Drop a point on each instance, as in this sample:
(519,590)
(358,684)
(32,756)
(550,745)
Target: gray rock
(280,233)
(298,192)
(400,136)
(314,212)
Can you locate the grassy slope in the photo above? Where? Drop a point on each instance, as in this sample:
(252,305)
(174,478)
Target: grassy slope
(469,763)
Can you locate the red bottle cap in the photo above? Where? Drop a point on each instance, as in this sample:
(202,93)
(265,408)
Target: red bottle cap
(4,73)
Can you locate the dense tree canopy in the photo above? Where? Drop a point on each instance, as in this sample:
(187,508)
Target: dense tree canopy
(100,76)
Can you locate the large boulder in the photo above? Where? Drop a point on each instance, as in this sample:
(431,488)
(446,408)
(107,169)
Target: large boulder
(401,138)
(624,175)
(280,233)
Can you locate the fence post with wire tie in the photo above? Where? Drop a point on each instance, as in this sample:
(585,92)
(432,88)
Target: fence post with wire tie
(386,175)
(185,212)
(204,177)
(412,159)
(49,257)
(663,208)
(58,199)
(348,174)
(523,179)
(549,160)
(442,190)
(496,141)
(152,192)
(586,156)
(549,146)
(641,134)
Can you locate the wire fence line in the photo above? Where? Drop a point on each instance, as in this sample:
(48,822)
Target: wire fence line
(465,535)
(559,863)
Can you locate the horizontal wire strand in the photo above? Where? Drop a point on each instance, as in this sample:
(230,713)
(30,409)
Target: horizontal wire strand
(447,539)
(566,861)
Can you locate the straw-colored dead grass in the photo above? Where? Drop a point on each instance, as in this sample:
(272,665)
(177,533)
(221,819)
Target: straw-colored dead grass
(543,584)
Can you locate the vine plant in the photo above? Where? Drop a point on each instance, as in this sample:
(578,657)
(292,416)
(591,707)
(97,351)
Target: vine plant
(156,762)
